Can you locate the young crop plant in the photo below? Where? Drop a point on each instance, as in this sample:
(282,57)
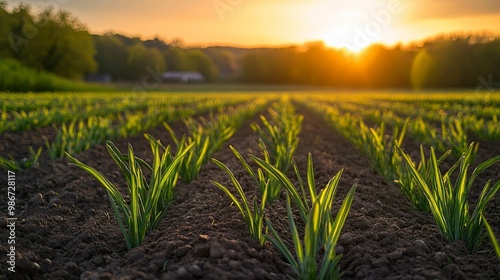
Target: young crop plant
(25,163)
(326,229)
(254,217)
(375,143)
(382,150)
(191,164)
(454,137)
(4,120)
(279,137)
(409,187)
(424,132)
(485,129)
(449,202)
(280,134)
(321,234)
(80,136)
(302,199)
(208,136)
(491,234)
(149,200)
(9,164)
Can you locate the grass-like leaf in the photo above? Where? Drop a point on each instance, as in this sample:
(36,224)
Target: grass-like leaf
(409,187)
(149,201)
(254,217)
(279,140)
(491,234)
(448,201)
(306,250)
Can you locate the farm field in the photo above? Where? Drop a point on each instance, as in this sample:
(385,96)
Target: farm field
(66,226)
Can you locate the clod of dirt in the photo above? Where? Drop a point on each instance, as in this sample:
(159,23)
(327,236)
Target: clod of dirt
(196,270)
(261,274)
(37,200)
(339,249)
(217,250)
(135,255)
(394,256)
(346,239)
(182,272)
(201,250)
(52,197)
(421,248)
(182,251)
(453,272)
(440,257)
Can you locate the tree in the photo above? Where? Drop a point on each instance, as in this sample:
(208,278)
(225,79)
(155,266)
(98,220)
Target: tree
(203,64)
(225,61)
(381,66)
(176,60)
(447,63)
(111,56)
(5,30)
(422,69)
(156,43)
(55,42)
(142,61)
(317,64)
(254,68)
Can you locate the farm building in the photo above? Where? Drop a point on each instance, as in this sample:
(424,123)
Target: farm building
(182,77)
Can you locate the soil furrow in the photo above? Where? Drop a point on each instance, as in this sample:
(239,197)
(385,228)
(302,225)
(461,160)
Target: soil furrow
(383,237)
(66,228)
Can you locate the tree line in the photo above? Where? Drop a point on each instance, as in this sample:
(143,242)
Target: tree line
(130,58)
(51,41)
(456,60)
(57,42)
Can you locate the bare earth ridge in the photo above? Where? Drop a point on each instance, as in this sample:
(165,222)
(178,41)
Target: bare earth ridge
(66,228)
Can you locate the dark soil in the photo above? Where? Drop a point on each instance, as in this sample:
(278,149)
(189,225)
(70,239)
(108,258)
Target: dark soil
(65,226)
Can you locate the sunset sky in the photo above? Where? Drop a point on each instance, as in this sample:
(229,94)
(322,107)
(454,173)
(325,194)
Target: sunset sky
(341,23)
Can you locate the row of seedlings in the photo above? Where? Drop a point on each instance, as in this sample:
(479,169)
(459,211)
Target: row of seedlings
(80,135)
(150,198)
(209,135)
(322,229)
(425,185)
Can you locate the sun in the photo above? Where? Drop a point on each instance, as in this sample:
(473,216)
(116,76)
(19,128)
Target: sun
(347,36)
(356,25)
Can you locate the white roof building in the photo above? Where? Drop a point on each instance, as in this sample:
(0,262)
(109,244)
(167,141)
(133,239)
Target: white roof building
(183,77)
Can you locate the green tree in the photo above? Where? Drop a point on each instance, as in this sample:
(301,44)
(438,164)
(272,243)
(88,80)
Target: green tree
(111,56)
(55,42)
(444,63)
(142,61)
(487,58)
(176,60)
(203,64)
(22,30)
(5,30)
(253,68)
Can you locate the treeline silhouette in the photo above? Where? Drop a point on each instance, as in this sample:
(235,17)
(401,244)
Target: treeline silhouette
(458,60)
(59,43)
(130,58)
